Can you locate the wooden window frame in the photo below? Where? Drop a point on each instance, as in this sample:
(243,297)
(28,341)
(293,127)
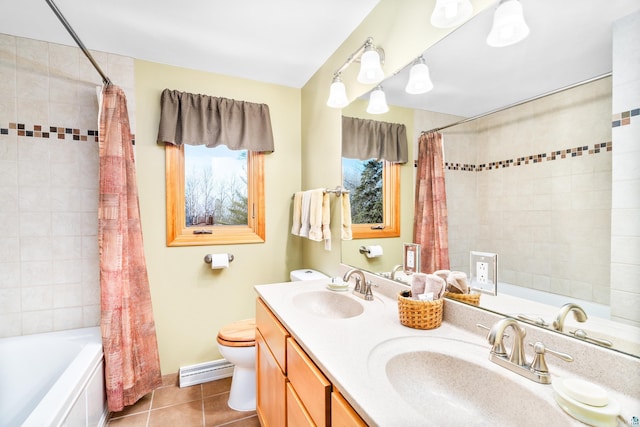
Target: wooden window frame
(391,207)
(178,234)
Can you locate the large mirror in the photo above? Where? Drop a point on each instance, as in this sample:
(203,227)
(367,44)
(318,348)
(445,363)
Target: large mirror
(534,182)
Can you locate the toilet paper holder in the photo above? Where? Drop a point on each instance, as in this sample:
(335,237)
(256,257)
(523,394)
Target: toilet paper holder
(364,250)
(207,258)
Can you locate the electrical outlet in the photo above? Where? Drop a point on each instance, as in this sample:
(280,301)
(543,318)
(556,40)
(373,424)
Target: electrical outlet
(482,272)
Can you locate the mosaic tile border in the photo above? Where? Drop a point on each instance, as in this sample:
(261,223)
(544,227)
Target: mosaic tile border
(601,147)
(53,132)
(624,118)
(50,132)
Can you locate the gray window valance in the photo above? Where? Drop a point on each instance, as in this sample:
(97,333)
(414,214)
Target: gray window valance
(187,118)
(370,139)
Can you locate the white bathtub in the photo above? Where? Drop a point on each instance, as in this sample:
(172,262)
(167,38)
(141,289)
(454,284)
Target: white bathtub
(53,379)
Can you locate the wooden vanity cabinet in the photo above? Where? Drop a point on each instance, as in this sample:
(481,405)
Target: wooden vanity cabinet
(342,414)
(309,384)
(291,389)
(271,381)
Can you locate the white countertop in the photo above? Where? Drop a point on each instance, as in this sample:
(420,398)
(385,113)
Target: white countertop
(353,353)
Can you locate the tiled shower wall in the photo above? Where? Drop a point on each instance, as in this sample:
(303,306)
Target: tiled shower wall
(49,276)
(625,225)
(533,184)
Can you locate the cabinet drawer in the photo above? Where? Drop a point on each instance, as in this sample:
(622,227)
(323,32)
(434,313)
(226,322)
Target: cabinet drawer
(312,387)
(274,334)
(297,415)
(271,387)
(342,414)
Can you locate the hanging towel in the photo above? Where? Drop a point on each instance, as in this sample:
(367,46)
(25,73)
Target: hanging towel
(346,217)
(297,213)
(305,212)
(315,214)
(326,221)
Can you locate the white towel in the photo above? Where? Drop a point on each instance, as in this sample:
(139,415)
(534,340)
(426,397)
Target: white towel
(297,213)
(304,217)
(326,221)
(315,214)
(346,217)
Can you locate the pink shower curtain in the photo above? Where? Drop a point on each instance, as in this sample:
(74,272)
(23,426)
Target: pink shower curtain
(430,229)
(132,365)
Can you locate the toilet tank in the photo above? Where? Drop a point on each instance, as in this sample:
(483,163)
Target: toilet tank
(306,274)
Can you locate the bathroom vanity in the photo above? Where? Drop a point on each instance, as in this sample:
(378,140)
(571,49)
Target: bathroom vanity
(324,355)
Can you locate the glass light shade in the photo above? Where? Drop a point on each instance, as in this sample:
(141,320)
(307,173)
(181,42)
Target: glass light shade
(508,25)
(377,102)
(370,68)
(337,95)
(419,79)
(451,13)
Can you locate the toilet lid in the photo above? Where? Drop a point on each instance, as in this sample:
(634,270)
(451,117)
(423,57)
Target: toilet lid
(238,333)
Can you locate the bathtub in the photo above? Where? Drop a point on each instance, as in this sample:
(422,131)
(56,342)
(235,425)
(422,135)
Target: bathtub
(53,379)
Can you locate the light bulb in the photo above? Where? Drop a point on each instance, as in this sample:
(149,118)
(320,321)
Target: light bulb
(451,13)
(370,68)
(508,26)
(419,79)
(377,102)
(337,94)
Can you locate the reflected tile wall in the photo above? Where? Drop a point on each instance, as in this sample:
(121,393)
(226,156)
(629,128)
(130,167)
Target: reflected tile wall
(49,270)
(533,184)
(625,120)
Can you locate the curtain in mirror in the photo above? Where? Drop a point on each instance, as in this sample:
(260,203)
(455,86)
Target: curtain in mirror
(430,227)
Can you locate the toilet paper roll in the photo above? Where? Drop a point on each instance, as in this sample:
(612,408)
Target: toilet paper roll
(219,261)
(374,251)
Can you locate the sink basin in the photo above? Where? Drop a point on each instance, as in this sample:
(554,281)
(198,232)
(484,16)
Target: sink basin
(328,304)
(452,382)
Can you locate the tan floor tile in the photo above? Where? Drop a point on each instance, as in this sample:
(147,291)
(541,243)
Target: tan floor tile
(170,379)
(137,420)
(216,387)
(246,422)
(216,411)
(140,406)
(184,415)
(167,396)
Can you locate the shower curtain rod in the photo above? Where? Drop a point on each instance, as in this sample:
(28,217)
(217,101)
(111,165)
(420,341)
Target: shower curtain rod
(106,80)
(479,116)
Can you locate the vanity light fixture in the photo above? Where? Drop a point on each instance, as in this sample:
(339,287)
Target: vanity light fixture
(377,102)
(370,67)
(371,59)
(451,13)
(508,26)
(419,78)
(337,93)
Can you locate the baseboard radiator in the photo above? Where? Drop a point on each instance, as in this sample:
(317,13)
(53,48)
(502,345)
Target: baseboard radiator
(205,372)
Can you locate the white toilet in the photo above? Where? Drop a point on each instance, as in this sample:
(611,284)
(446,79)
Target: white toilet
(237,344)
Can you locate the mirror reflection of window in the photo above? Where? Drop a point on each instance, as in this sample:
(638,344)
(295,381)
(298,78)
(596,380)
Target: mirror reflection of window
(364,180)
(216,191)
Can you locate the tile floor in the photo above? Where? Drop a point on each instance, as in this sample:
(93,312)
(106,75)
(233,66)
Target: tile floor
(202,405)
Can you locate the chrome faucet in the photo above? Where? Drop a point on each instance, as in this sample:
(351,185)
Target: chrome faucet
(362,287)
(578,314)
(395,270)
(495,336)
(538,370)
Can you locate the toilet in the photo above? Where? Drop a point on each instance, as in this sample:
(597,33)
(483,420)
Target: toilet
(237,344)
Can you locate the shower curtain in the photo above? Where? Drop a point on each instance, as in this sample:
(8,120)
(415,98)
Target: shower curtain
(132,365)
(430,228)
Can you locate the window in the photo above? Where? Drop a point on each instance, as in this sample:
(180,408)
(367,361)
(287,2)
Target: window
(374,188)
(214,196)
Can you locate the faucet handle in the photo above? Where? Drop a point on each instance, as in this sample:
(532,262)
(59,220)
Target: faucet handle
(499,348)
(539,364)
(356,288)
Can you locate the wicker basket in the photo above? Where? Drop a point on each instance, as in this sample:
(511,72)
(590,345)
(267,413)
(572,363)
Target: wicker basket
(473,299)
(420,314)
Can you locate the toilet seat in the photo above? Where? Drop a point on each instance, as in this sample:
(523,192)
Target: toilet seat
(238,334)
